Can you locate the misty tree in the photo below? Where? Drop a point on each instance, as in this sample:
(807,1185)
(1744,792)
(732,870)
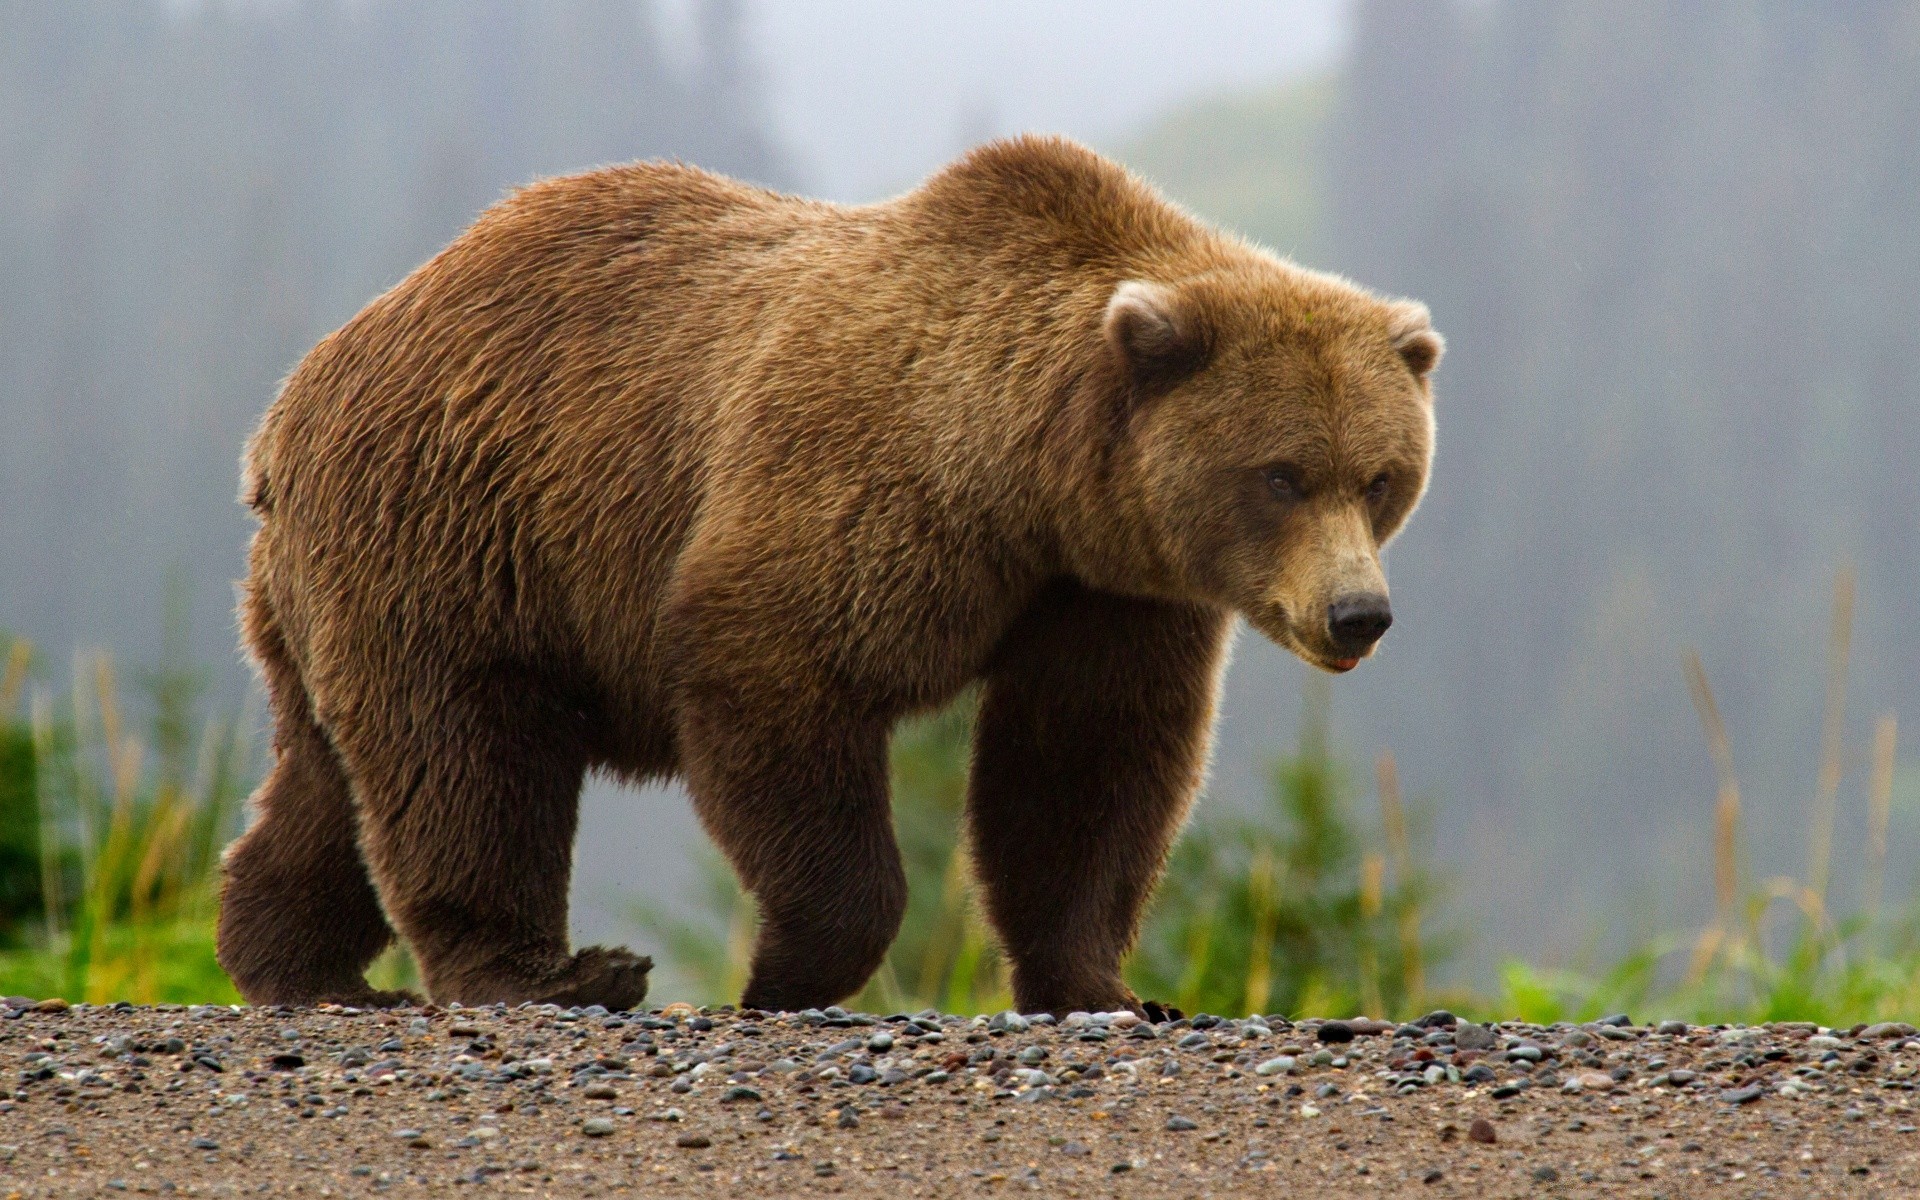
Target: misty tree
(195,194)
(1675,247)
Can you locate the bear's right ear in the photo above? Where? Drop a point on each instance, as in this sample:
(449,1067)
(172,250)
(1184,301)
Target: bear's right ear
(1157,338)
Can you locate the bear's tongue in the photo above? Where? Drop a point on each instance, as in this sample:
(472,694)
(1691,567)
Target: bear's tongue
(1346,664)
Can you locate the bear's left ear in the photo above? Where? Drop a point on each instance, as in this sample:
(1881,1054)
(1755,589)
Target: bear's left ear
(1413,336)
(1155,334)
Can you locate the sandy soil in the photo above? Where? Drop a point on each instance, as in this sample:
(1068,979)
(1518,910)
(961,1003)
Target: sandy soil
(333,1102)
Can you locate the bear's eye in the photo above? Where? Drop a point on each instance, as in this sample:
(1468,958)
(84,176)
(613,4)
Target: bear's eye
(1377,490)
(1284,482)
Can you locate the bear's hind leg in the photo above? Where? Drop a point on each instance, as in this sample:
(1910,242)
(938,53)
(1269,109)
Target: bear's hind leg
(468,807)
(1091,742)
(299,921)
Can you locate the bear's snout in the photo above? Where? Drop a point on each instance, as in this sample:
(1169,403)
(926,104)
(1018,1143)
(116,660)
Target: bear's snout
(1356,622)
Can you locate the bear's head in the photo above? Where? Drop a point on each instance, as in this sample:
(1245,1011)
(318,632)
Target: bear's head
(1276,433)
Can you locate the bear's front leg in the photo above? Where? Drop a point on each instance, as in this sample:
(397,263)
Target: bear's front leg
(1091,743)
(793,788)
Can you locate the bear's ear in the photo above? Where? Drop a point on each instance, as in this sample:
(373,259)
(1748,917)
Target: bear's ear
(1413,336)
(1157,338)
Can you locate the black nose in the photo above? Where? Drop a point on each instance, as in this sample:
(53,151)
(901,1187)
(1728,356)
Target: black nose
(1356,622)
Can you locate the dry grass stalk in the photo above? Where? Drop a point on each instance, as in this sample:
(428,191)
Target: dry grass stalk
(52,899)
(14,678)
(1263,899)
(1393,819)
(1832,763)
(1879,810)
(955,892)
(1726,815)
(1373,886)
(1723,933)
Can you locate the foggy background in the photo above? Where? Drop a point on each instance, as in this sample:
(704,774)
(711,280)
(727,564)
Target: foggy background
(1674,246)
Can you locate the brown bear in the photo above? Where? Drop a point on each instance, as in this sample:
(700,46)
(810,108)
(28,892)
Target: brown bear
(662,474)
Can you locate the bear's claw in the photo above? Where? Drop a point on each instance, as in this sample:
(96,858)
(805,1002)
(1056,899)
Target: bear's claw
(614,977)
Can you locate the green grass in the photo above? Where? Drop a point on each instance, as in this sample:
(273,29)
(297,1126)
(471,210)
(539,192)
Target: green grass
(113,838)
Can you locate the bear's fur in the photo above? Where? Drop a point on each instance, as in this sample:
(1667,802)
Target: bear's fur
(659,473)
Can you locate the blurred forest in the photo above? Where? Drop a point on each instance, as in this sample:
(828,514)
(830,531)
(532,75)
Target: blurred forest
(1675,248)
(192,198)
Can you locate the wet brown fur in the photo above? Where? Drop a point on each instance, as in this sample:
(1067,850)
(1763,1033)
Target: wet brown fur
(655,472)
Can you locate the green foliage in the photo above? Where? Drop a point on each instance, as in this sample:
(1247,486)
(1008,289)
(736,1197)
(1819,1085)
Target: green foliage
(19,815)
(1288,910)
(124,846)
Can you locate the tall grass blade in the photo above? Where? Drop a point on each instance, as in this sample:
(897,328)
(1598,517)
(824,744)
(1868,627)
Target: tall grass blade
(1726,818)
(1393,819)
(1879,811)
(1832,765)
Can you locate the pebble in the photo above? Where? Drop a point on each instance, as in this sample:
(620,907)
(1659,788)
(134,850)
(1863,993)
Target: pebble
(1283,1065)
(1469,1036)
(1180,1124)
(1672,1028)
(1008,1022)
(1335,1032)
(597,1127)
(1887,1029)
(1745,1095)
(693,1141)
(1482,1131)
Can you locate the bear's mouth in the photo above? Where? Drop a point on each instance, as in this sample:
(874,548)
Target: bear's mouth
(1273,622)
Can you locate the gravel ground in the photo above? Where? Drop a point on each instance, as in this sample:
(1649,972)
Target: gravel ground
(685,1102)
